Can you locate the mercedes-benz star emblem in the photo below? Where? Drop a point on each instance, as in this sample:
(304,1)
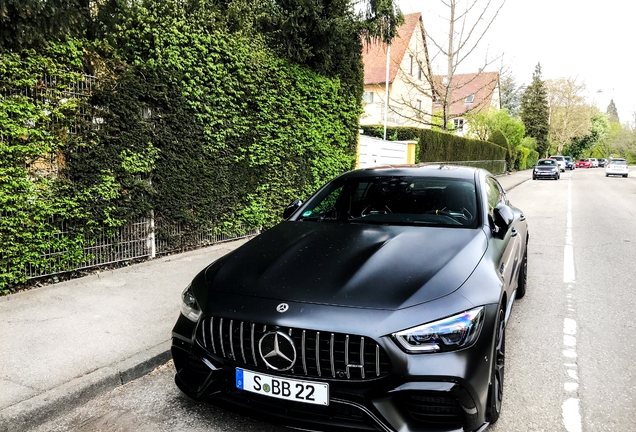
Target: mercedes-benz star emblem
(282,307)
(277,350)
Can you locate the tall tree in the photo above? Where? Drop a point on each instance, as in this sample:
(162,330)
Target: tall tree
(510,92)
(570,114)
(484,124)
(466,23)
(582,145)
(612,112)
(535,113)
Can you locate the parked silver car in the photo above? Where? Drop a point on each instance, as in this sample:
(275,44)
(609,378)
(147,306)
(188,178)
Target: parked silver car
(546,168)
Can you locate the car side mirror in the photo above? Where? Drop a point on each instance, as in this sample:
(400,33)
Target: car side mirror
(291,208)
(503,217)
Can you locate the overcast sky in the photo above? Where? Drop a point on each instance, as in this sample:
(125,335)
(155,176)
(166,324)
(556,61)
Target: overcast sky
(590,41)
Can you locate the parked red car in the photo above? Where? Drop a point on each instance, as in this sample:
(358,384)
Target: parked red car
(584,163)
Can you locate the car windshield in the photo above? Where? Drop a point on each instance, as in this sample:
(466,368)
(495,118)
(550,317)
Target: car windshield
(547,162)
(619,162)
(396,201)
(559,158)
(567,158)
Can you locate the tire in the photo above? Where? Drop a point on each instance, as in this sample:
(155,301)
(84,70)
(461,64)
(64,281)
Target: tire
(523,275)
(495,388)
(534,178)
(625,176)
(606,175)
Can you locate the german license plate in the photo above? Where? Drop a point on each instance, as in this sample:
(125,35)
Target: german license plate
(283,388)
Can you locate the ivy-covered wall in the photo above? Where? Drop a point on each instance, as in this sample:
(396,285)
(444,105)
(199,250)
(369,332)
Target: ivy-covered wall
(205,125)
(37,116)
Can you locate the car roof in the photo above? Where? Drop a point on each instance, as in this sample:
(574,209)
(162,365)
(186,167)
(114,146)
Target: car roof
(422,170)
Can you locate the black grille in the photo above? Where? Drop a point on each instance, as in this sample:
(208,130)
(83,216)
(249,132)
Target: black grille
(319,354)
(433,408)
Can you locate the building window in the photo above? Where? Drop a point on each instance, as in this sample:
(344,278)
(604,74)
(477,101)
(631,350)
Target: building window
(470,98)
(410,64)
(459,124)
(419,72)
(418,105)
(367,97)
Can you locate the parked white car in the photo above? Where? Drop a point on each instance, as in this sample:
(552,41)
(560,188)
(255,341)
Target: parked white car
(594,162)
(617,167)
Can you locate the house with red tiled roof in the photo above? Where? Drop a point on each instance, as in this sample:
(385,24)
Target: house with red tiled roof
(407,89)
(469,92)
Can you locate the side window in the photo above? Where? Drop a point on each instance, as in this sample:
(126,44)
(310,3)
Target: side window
(495,194)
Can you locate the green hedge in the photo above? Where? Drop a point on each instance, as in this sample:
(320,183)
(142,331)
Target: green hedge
(526,158)
(393,133)
(443,147)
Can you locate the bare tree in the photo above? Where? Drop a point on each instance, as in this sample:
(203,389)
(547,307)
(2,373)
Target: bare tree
(467,22)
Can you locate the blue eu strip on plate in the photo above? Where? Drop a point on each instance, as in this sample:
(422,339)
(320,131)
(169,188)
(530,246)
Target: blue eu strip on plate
(239,379)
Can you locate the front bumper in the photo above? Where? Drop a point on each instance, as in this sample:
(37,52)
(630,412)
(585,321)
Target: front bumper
(431,392)
(546,174)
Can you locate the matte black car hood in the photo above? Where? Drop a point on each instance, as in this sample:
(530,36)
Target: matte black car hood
(355,265)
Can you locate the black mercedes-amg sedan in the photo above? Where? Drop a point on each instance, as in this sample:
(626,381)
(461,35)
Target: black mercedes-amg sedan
(378,304)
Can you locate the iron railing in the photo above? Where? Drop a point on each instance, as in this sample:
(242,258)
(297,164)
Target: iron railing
(136,240)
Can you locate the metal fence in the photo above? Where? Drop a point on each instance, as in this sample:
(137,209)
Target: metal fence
(135,241)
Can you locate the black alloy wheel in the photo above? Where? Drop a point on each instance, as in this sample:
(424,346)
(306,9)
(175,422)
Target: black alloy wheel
(523,275)
(495,393)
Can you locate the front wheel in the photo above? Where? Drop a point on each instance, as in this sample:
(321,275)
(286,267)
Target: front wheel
(495,392)
(523,275)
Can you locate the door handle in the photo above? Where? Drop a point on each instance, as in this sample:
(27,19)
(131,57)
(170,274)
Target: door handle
(514,232)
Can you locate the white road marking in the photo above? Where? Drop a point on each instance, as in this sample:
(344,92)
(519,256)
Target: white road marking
(568,252)
(569,341)
(571,414)
(570,408)
(569,326)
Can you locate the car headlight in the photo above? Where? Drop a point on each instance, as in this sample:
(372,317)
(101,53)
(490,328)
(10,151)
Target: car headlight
(189,307)
(448,334)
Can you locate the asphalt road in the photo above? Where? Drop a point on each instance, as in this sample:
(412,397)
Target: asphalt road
(571,350)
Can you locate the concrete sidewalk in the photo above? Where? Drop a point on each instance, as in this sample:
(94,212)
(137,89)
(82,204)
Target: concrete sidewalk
(64,344)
